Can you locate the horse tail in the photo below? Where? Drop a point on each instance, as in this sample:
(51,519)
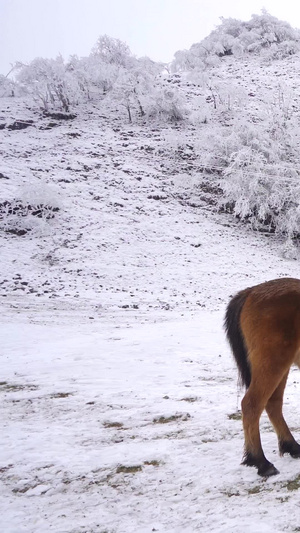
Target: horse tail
(235,335)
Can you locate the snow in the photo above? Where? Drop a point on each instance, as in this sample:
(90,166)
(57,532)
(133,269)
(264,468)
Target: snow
(120,402)
(88,407)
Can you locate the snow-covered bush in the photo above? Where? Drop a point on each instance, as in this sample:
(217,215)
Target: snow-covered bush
(257,161)
(261,174)
(267,30)
(166,105)
(30,210)
(282,50)
(263,193)
(262,34)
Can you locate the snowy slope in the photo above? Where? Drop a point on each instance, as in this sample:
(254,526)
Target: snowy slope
(119,395)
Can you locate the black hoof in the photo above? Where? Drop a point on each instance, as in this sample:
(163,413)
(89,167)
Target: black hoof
(264,467)
(268,471)
(292,447)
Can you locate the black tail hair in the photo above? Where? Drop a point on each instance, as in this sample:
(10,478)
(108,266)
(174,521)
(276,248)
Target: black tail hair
(235,336)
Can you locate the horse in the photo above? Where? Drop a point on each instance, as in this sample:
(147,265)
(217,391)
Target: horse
(262,325)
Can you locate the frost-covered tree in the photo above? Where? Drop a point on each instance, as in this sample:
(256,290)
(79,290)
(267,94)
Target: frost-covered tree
(135,85)
(110,68)
(94,76)
(7,86)
(112,51)
(51,83)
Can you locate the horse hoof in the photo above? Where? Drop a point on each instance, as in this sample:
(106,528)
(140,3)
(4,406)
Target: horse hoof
(268,471)
(291,447)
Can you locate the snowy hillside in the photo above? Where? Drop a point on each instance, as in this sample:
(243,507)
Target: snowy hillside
(120,405)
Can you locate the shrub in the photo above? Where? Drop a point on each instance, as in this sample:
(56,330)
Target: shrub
(30,211)
(166,104)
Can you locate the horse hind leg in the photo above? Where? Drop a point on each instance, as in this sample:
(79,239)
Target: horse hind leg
(253,405)
(268,379)
(286,441)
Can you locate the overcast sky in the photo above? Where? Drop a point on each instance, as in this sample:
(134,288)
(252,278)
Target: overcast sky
(156,28)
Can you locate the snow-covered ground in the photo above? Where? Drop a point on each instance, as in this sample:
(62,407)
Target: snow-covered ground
(120,403)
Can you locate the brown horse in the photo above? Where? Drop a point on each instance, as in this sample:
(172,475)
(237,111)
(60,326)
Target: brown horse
(263,328)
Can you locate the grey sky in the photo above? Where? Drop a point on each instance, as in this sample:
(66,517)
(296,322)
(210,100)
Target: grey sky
(157,28)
